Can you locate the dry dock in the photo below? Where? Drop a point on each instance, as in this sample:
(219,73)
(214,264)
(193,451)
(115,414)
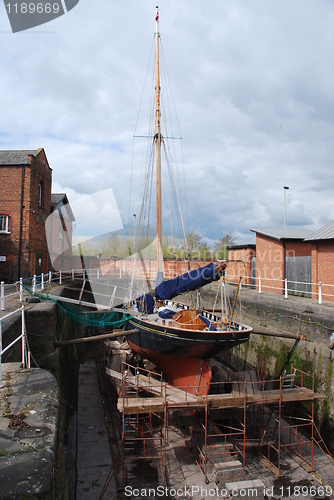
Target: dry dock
(249,434)
(94,460)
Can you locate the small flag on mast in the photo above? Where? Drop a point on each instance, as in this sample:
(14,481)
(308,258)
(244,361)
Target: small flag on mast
(157,14)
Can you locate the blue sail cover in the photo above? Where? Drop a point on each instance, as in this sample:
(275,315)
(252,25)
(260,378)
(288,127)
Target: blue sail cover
(186,282)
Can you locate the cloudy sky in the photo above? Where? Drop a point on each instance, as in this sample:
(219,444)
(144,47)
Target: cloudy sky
(253,86)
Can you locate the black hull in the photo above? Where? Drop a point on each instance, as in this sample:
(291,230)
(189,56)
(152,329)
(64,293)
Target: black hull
(167,341)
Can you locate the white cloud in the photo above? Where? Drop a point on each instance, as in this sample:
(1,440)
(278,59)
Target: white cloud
(252,83)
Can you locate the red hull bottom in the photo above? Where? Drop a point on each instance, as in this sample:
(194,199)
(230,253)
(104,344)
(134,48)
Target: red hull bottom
(192,375)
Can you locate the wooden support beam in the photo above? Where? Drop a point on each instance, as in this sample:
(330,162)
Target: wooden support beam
(284,335)
(114,334)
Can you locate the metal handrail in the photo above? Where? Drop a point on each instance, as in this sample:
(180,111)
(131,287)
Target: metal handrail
(20,337)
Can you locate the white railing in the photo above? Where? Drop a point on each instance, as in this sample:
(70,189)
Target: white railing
(4,295)
(25,357)
(44,282)
(289,287)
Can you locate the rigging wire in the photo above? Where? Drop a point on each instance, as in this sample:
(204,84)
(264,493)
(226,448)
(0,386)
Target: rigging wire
(169,86)
(170,155)
(169,211)
(136,124)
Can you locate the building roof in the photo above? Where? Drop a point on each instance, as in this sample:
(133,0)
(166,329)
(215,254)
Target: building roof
(56,198)
(60,199)
(17,157)
(284,234)
(325,233)
(241,247)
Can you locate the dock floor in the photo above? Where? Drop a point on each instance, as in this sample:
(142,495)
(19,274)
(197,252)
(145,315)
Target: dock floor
(93,451)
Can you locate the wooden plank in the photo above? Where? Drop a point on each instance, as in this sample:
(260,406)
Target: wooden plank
(131,406)
(305,465)
(264,460)
(113,373)
(175,397)
(150,384)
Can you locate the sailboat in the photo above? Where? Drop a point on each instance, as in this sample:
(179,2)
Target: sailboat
(177,338)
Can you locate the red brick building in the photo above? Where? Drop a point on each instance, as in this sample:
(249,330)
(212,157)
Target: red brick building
(323,261)
(25,205)
(278,253)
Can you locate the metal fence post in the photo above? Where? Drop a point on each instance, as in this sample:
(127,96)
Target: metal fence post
(50,278)
(34,284)
(23,329)
(98,274)
(72,274)
(42,281)
(259,284)
(21,289)
(320,294)
(285,288)
(2,295)
(60,278)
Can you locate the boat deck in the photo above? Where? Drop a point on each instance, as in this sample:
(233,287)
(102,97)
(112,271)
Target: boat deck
(190,323)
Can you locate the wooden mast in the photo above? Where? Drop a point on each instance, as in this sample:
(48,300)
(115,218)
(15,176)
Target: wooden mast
(158,140)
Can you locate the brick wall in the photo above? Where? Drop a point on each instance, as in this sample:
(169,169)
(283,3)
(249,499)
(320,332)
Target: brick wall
(269,263)
(40,172)
(10,204)
(172,267)
(239,264)
(323,269)
(270,260)
(20,186)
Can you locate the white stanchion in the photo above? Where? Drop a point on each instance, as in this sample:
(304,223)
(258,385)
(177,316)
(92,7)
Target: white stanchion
(2,295)
(23,339)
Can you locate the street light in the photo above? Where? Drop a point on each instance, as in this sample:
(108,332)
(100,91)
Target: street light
(285,189)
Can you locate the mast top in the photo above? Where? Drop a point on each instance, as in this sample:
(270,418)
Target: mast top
(157,18)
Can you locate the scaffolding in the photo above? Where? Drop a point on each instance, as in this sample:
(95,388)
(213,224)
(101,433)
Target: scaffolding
(241,413)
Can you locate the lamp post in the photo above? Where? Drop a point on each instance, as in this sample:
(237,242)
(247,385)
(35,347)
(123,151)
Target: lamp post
(285,189)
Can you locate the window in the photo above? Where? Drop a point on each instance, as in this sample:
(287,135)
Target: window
(40,194)
(4,224)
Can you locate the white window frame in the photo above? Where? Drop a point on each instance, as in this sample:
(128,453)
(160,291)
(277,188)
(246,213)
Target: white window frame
(5,222)
(40,194)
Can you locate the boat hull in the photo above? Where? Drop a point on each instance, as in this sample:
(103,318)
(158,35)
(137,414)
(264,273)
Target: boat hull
(184,343)
(180,353)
